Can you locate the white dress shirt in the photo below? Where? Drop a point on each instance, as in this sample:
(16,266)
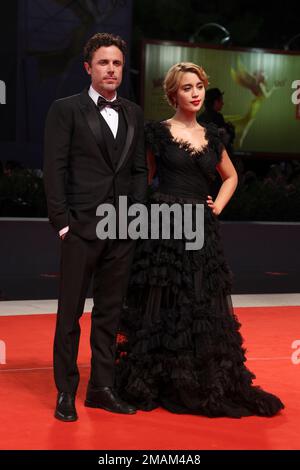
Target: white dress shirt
(111,116)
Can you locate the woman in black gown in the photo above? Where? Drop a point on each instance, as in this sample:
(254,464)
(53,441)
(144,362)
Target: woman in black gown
(182,348)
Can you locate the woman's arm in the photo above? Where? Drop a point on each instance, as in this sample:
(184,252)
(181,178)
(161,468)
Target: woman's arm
(230,179)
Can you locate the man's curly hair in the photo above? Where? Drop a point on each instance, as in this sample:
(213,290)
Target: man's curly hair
(102,40)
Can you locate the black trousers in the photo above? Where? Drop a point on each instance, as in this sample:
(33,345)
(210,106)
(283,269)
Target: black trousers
(108,262)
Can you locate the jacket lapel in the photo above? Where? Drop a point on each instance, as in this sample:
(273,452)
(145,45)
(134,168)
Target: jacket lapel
(131,122)
(90,113)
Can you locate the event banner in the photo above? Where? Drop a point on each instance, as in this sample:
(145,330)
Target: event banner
(260,92)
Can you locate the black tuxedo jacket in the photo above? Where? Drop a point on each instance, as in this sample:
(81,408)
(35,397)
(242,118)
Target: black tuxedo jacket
(79,171)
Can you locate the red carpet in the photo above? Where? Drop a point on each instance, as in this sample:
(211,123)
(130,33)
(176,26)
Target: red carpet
(27,394)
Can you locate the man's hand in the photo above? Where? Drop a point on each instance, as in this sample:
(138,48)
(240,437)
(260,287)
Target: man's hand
(63,232)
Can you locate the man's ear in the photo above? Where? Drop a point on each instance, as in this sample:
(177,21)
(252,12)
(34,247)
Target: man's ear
(87,67)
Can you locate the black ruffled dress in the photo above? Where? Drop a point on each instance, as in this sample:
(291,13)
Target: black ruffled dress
(181,346)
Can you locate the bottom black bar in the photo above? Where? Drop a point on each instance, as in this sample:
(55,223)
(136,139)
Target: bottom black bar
(134,458)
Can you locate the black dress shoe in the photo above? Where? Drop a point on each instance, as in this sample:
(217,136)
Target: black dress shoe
(107,398)
(65,407)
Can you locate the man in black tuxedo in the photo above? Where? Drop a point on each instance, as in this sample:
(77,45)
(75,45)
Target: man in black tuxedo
(94,153)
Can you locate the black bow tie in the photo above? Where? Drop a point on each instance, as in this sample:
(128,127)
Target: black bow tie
(102,103)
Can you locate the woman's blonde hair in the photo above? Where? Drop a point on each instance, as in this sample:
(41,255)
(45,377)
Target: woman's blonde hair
(174,75)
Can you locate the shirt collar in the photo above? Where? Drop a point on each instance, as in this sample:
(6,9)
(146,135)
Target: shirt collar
(95,95)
